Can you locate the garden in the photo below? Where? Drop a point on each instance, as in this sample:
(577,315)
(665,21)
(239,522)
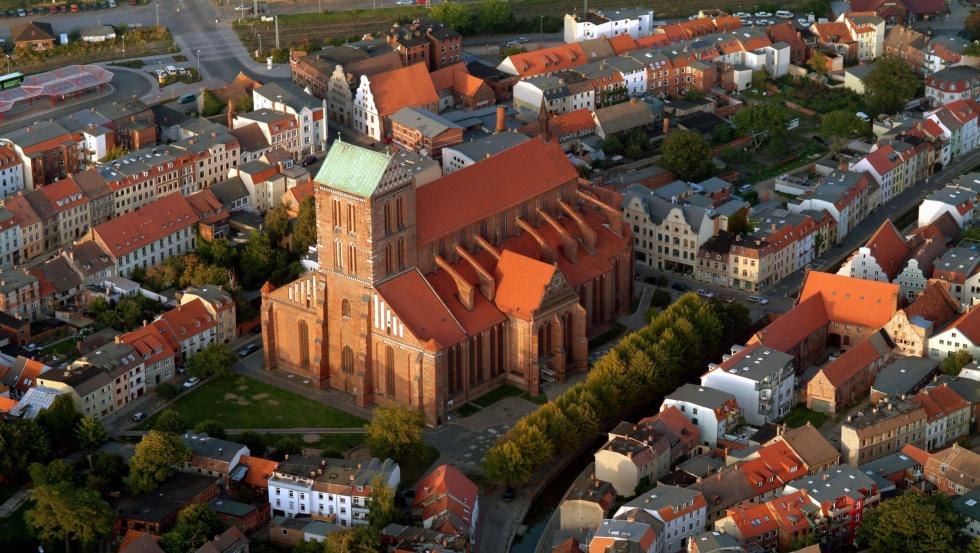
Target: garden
(129,42)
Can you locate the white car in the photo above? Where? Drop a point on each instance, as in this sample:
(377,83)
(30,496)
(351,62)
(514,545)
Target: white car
(763,14)
(705,293)
(758,299)
(191,382)
(862,116)
(803,22)
(519,40)
(405,2)
(783,14)
(745,188)
(693,17)
(742,15)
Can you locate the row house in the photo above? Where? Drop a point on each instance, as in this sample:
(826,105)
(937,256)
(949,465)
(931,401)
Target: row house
(445,499)
(882,430)
(881,258)
(903,377)
(457,88)
(31,228)
(783,243)
(11,171)
(635,23)
(132,122)
(139,178)
(643,534)
(219,304)
(712,411)
(855,36)
(673,73)
(768,469)
(331,490)
(646,450)
(381,95)
(422,131)
(557,93)
(101,382)
(947,416)
(849,197)
(908,45)
(841,496)
(264,183)
(806,443)
(252,143)
(912,326)
(958,202)
(140,239)
(770,526)
(214,154)
(213,219)
(681,512)
(64,211)
(891,168)
(188,328)
(848,379)
(47,152)
(90,261)
(59,284)
(159,359)
(945,51)
(545,60)
(958,122)
(92,132)
(315,70)
(310,113)
(954,471)
(429,42)
(10,239)
(959,267)
(20,295)
(961,334)
(761,379)
(927,244)
(961,82)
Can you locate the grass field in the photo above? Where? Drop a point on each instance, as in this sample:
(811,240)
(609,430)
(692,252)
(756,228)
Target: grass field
(493,396)
(800,415)
(240,402)
(14,533)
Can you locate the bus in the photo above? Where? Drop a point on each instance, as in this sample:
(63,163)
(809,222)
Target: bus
(11,80)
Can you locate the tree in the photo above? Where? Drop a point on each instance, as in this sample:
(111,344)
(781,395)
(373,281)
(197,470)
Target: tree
(493,16)
(505,462)
(453,14)
(760,78)
(382,500)
(108,474)
(154,460)
(687,155)
(257,259)
(762,122)
(22,442)
(171,421)
(972,50)
(289,444)
(972,25)
(841,124)
(255,442)
(955,361)
(277,224)
(353,540)
(58,471)
(395,432)
(59,422)
(196,525)
(890,85)
(612,146)
(115,152)
(166,390)
(213,361)
(65,512)
(304,230)
(911,522)
(818,62)
(90,435)
(210,427)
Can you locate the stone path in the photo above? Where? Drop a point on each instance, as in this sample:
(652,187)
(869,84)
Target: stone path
(14,502)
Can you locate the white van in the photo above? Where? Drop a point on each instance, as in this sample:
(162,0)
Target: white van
(783,14)
(171,70)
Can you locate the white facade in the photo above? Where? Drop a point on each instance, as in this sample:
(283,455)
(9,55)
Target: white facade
(911,281)
(762,400)
(11,180)
(930,210)
(950,341)
(10,240)
(176,243)
(709,423)
(678,528)
(528,97)
(607,24)
(366,119)
(863,265)
(312,121)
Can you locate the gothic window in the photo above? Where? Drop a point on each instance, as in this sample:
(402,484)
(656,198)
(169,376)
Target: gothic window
(304,344)
(402,254)
(336,213)
(400,212)
(351,218)
(387,216)
(338,256)
(388,259)
(390,370)
(351,259)
(345,309)
(347,360)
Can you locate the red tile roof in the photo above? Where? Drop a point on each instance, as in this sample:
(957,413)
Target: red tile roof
(444,78)
(64,194)
(852,300)
(490,186)
(573,121)
(548,60)
(208,207)
(403,87)
(934,304)
(447,492)
(832,31)
(852,361)
(969,324)
(7,404)
(775,466)
(889,249)
(753,521)
(794,326)
(149,343)
(152,222)
(940,402)
(418,306)
(302,191)
(259,471)
(920,456)
(184,321)
(521,284)
(622,43)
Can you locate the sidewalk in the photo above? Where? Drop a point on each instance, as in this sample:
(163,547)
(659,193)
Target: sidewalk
(14,502)
(357,430)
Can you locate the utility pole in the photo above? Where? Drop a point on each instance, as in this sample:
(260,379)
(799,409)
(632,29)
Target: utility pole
(260,42)
(157,7)
(277,31)
(541,29)
(198,63)
(255,8)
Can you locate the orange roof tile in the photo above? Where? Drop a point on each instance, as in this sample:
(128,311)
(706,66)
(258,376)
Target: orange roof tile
(940,402)
(850,363)
(302,191)
(28,376)
(184,321)
(446,490)
(832,31)
(753,520)
(673,419)
(889,249)
(852,300)
(920,456)
(622,43)
(573,121)
(650,41)
(444,78)
(466,84)
(490,186)
(208,207)
(403,87)
(7,404)
(794,326)
(418,306)
(139,542)
(259,471)
(64,194)
(149,342)
(934,304)
(152,222)
(969,324)
(521,283)
(548,60)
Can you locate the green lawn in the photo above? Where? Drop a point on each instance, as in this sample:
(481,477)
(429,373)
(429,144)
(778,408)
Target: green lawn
(493,396)
(800,415)
(241,402)
(66,349)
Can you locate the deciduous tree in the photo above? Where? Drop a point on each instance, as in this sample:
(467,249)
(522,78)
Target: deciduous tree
(972,25)
(213,361)
(688,155)
(304,230)
(841,125)
(889,86)
(505,462)
(210,427)
(382,500)
(911,522)
(818,62)
(761,122)
(196,525)
(155,459)
(453,14)
(956,361)
(171,421)
(59,421)
(70,514)
(395,431)
(90,435)
(22,442)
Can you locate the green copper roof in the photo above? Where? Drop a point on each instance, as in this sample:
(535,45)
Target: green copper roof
(353,169)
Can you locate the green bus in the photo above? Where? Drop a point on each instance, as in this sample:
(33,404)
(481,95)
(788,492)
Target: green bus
(11,80)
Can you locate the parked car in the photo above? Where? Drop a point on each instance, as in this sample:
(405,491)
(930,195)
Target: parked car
(679,287)
(247,350)
(863,116)
(518,41)
(745,188)
(742,15)
(21,12)
(308,160)
(509,493)
(138,416)
(74,8)
(763,14)
(705,293)
(63,8)
(784,14)
(727,299)
(758,299)
(191,382)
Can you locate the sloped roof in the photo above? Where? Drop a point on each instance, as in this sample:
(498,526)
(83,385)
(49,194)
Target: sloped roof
(794,326)
(447,493)
(852,361)
(969,324)
(934,304)
(852,300)
(889,249)
(31,30)
(940,401)
(147,224)
(421,309)
(809,445)
(521,283)
(351,168)
(402,87)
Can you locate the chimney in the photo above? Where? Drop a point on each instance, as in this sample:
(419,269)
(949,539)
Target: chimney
(633,101)
(666,125)
(842,165)
(501,119)
(231,114)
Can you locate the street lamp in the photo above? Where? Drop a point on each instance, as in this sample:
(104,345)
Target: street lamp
(260,43)
(124,43)
(199,62)
(157,8)
(8,63)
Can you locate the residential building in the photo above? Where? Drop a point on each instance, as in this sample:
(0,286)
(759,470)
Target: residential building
(849,197)
(635,23)
(333,489)
(316,70)
(156,512)
(586,504)
(213,219)
(141,177)
(948,85)
(310,113)
(769,468)
(908,45)
(958,123)
(961,334)
(64,211)
(20,295)
(760,378)
(882,430)
(145,237)
(966,506)
(214,457)
(622,117)
(424,132)
(428,42)
(681,511)
(187,328)
(890,169)
(402,243)
(10,239)
(101,382)
(948,416)
(768,526)
(447,501)
(47,152)
(159,359)
(954,470)
(217,152)
(900,470)
(809,446)
(958,268)
(11,171)
(33,35)
(456,87)
(219,304)
(881,258)
(902,377)
(911,327)
(957,201)
(847,379)
(868,32)
(713,412)
(381,95)
(841,495)
(628,535)
(22,377)
(927,244)
(263,182)
(467,153)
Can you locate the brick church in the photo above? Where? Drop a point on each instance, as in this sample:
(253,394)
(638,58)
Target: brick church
(430,296)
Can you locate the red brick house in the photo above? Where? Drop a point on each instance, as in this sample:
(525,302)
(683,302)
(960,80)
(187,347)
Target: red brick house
(33,35)
(848,378)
